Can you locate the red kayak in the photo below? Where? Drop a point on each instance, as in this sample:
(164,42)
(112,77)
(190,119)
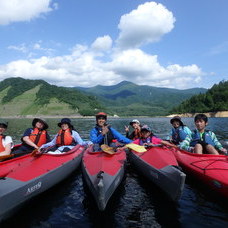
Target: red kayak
(159,165)
(210,169)
(25,177)
(103,173)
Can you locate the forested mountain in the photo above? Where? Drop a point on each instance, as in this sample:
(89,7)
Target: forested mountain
(215,99)
(20,96)
(129,99)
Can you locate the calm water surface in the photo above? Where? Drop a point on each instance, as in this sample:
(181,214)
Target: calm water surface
(136,203)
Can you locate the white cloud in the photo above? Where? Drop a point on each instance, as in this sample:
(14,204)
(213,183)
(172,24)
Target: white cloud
(102,43)
(85,67)
(148,23)
(23,10)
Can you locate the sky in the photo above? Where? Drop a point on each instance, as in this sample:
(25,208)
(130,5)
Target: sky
(168,43)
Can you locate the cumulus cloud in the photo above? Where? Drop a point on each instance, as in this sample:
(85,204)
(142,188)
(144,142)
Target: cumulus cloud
(102,43)
(148,23)
(83,66)
(23,10)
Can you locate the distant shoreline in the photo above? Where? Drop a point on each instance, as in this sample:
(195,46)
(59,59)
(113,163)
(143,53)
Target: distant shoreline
(208,114)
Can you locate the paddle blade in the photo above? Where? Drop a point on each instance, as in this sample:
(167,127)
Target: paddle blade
(136,147)
(107,149)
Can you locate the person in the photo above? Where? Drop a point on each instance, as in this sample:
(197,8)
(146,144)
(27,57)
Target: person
(179,131)
(135,124)
(149,139)
(33,138)
(65,139)
(202,140)
(103,133)
(6,142)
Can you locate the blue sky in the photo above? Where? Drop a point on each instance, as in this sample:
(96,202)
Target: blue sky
(168,43)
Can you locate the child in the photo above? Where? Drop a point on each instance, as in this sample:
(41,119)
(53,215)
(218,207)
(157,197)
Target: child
(202,140)
(148,139)
(135,124)
(179,131)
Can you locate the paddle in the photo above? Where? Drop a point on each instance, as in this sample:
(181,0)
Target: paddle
(107,149)
(135,147)
(4,157)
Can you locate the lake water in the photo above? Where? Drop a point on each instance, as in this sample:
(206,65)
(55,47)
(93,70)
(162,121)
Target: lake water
(136,203)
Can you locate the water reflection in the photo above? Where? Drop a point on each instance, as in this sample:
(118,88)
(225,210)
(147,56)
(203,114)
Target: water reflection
(136,203)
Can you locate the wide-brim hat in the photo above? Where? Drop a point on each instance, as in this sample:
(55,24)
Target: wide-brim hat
(65,121)
(134,121)
(145,128)
(35,120)
(176,118)
(4,123)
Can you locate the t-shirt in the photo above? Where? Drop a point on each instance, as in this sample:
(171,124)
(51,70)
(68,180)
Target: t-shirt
(7,140)
(154,140)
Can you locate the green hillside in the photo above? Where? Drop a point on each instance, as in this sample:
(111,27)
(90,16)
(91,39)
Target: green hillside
(31,97)
(130,99)
(215,99)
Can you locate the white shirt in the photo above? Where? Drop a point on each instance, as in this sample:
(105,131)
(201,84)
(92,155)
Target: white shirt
(7,140)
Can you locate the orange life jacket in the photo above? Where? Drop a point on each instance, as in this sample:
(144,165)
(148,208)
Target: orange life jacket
(38,137)
(64,138)
(2,148)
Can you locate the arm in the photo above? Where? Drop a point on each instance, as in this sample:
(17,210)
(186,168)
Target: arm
(8,144)
(95,136)
(168,143)
(218,145)
(78,139)
(119,137)
(52,143)
(185,145)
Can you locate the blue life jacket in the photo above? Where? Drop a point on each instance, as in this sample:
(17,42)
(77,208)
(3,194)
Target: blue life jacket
(206,138)
(147,140)
(178,134)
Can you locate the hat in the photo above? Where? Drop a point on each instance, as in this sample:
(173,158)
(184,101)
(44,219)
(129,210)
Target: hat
(145,128)
(134,121)
(65,121)
(35,120)
(101,114)
(176,118)
(4,123)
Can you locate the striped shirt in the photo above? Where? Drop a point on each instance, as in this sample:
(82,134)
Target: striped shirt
(185,145)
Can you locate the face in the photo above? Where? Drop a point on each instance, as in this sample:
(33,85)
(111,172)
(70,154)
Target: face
(2,130)
(200,125)
(39,125)
(145,134)
(64,126)
(101,121)
(135,125)
(176,124)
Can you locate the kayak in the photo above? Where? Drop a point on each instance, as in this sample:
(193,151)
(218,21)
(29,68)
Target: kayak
(210,169)
(24,177)
(103,173)
(160,166)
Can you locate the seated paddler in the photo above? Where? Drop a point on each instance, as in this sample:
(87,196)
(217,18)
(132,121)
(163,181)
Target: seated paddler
(148,139)
(103,133)
(6,142)
(33,138)
(65,139)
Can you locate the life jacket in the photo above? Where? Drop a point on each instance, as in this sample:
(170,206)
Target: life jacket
(108,138)
(64,138)
(206,138)
(178,134)
(2,148)
(39,137)
(146,140)
(137,134)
